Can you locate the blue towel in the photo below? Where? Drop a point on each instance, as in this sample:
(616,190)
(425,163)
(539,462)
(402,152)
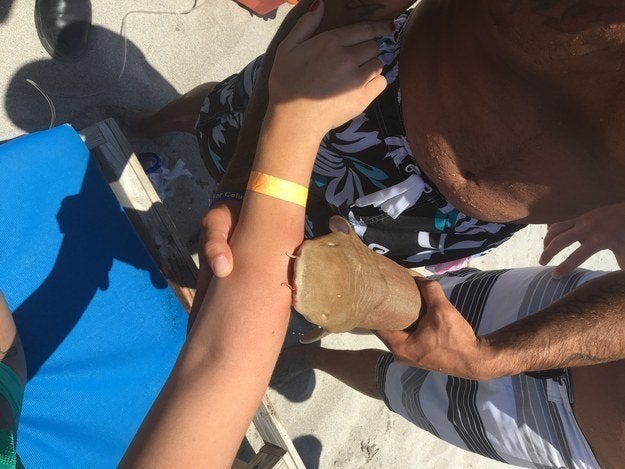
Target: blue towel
(101,329)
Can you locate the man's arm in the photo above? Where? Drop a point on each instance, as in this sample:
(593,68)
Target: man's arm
(585,327)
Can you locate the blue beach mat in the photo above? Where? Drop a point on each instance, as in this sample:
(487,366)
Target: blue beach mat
(101,329)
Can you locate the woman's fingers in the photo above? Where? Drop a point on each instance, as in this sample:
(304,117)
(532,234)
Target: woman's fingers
(338,69)
(306,25)
(371,69)
(363,52)
(364,31)
(374,87)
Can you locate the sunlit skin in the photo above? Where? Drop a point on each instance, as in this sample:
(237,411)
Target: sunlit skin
(514,109)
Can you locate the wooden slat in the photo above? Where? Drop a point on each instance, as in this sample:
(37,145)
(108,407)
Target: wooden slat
(143,207)
(272,431)
(156,229)
(239,464)
(269,457)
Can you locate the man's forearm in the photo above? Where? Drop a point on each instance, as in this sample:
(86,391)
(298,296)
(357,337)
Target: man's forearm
(585,327)
(337,13)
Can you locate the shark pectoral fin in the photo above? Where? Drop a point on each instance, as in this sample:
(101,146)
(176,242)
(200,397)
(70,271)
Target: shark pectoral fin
(313,336)
(340,225)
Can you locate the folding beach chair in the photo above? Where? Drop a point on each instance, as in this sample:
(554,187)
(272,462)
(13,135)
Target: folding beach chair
(101,328)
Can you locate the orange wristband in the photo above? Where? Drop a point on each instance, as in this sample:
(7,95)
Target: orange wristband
(277,188)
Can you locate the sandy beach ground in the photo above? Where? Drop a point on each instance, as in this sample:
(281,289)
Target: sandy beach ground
(165,56)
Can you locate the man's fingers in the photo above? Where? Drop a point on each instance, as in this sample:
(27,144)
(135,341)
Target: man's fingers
(392,339)
(221,264)
(432,292)
(213,250)
(557,244)
(363,31)
(306,26)
(555,229)
(574,260)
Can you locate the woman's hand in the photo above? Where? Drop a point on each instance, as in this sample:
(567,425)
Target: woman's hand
(327,79)
(596,230)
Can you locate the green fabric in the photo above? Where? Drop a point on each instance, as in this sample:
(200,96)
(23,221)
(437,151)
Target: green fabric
(13,391)
(11,388)
(8,456)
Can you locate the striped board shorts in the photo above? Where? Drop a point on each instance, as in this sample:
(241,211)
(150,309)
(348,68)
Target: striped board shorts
(521,420)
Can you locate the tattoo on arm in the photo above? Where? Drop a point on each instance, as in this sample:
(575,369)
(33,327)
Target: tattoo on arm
(585,327)
(576,358)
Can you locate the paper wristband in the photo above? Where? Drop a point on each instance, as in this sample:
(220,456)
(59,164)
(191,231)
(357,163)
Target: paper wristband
(278,188)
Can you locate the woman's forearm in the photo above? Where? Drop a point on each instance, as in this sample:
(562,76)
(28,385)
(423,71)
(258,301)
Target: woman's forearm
(254,301)
(229,355)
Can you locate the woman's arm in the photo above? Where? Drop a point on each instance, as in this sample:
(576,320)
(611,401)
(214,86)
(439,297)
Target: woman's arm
(337,13)
(202,413)
(218,223)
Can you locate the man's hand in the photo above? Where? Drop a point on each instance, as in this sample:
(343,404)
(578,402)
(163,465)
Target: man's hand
(596,230)
(442,341)
(213,250)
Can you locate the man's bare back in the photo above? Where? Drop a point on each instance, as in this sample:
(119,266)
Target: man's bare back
(513,108)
